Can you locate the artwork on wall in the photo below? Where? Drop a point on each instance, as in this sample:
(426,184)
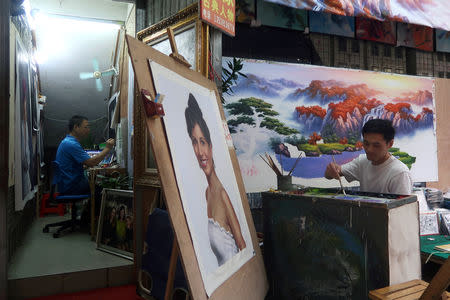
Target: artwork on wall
(292,110)
(276,15)
(442,40)
(444,220)
(433,13)
(205,176)
(115,226)
(374,30)
(25,149)
(245,11)
(415,36)
(331,24)
(429,223)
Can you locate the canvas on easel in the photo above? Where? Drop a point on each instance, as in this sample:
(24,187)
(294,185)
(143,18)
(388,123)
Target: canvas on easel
(201,180)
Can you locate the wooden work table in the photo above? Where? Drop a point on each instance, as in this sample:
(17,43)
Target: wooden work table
(93,172)
(427,251)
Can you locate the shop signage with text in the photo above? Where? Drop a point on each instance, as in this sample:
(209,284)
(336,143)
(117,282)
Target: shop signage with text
(220,14)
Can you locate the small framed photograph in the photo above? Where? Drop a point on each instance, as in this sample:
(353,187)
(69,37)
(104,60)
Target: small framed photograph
(115,224)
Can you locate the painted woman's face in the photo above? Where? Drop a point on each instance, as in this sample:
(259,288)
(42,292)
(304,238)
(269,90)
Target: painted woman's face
(202,150)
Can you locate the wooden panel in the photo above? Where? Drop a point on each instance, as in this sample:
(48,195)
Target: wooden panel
(249,282)
(123,97)
(4,136)
(400,290)
(442,101)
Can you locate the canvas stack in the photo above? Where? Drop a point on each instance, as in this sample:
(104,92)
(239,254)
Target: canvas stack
(434,198)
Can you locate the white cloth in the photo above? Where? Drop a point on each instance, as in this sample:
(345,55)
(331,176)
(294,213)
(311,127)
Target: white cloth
(222,242)
(390,177)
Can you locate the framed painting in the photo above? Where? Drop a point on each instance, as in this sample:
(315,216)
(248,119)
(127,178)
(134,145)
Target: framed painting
(331,24)
(442,40)
(191,37)
(429,223)
(115,226)
(200,177)
(415,36)
(276,15)
(377,31)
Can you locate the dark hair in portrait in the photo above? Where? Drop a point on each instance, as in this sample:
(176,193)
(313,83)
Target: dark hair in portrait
(194,116)
(76,120)
(381,126)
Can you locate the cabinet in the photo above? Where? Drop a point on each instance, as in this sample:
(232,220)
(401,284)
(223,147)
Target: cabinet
(322,247)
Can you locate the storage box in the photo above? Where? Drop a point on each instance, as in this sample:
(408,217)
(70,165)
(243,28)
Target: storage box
(333,246)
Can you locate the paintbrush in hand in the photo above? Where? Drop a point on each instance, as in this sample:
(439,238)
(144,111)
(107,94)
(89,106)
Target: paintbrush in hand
(339,177)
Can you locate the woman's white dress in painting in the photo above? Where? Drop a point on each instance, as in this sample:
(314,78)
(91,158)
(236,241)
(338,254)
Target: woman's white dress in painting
(222,242)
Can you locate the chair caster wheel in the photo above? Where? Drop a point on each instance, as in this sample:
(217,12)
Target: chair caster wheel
(45,230)
(56,235)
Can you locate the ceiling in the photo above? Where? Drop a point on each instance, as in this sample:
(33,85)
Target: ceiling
(96,9)
(71,34)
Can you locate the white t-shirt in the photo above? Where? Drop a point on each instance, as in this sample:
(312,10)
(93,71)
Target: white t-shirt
(391,177)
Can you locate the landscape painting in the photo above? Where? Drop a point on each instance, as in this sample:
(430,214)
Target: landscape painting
(431,13)
(331,24)
(442,40)
(377,31)
(302,115)
(271,14)
(415,36)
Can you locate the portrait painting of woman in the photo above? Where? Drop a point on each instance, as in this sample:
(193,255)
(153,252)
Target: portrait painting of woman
(223,226)
(206,180)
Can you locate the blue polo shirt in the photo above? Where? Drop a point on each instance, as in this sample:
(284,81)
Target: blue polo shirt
(70,156)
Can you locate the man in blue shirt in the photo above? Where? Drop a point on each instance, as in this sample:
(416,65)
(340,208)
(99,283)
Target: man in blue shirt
(71,158)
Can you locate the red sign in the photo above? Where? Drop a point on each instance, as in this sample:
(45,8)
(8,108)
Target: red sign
(220,14)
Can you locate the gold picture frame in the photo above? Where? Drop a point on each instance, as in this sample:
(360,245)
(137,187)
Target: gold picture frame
(192,38)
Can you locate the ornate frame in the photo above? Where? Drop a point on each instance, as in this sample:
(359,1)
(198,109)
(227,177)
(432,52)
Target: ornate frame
(180,22)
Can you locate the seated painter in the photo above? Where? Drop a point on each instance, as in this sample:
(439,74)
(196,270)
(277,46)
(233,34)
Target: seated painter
(72,157)
(377,171)
(223,226)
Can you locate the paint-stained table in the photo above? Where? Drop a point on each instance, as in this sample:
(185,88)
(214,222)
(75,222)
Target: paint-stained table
(325,245)
(427,250)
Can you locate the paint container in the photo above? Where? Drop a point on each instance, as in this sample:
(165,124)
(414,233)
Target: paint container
(285,183)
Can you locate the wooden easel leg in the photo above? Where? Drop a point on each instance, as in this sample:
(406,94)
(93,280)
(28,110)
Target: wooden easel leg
(172,269)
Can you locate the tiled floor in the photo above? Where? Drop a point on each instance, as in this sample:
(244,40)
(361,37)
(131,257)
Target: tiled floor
(41,254)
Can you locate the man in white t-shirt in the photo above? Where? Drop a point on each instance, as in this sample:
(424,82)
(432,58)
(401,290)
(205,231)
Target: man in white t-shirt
(377,171)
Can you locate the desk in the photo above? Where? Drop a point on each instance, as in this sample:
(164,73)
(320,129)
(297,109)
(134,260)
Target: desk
(93,172)
(427,247)
(318,246)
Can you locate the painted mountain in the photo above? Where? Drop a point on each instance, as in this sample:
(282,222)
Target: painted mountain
(290,111)
(350,107)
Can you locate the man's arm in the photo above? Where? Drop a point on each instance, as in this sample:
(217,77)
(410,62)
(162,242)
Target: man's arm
(95,160)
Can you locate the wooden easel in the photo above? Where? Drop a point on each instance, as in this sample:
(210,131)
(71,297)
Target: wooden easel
(174,255)
(249,282)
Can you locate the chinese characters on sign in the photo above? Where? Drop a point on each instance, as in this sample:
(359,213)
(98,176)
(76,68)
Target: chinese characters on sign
(219,13)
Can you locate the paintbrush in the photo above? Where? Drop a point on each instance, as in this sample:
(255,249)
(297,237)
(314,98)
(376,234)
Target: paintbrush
(295,164)
(268,162)
(265,161)
(274,167)
(339,177)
